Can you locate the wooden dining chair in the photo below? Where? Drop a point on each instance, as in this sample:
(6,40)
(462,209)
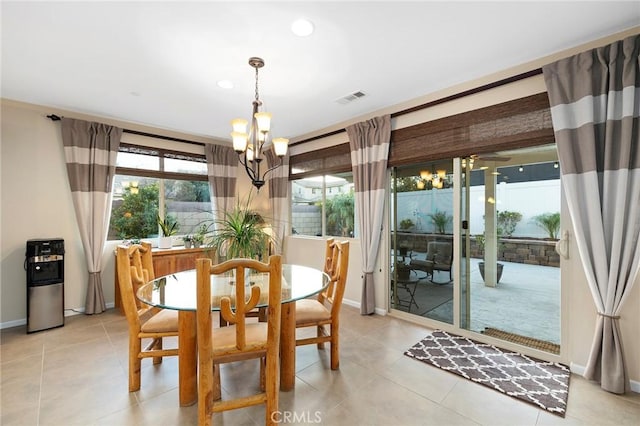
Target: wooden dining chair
(240,340)
(325,310)
(135,267)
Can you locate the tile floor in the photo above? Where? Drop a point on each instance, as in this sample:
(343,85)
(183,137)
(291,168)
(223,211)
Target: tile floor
(77,375)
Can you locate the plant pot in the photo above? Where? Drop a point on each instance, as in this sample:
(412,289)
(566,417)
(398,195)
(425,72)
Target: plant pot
(165,242)
(499,275)
(197,244)
(403,272)
(188,244)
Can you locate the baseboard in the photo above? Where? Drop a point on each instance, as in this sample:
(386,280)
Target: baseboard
(67,313)
(355,304)
(634,385)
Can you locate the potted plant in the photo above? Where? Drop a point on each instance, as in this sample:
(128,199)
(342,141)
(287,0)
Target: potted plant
(199,236)
(240,233)
(480,239)
(168,227)
(403,271)
(188,241)
(406,224)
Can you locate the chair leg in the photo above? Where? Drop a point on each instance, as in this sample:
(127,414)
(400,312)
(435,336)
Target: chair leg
(272,416)
(135,363)
(157,345)
(320,333)
(335,348)
(217,388)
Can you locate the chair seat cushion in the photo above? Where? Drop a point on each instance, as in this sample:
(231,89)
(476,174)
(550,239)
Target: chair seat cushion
(309,310)
(165,321)
(224,338)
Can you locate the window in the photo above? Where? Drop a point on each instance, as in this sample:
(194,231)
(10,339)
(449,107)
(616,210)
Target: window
(323,205)
(151,182)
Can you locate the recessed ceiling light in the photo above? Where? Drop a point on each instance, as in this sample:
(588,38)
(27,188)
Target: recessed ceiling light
(302,27)
(225,84)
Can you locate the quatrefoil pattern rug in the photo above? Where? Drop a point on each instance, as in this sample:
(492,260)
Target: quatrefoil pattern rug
(544,384)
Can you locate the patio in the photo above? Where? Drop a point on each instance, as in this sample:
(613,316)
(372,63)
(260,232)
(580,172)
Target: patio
(526,301)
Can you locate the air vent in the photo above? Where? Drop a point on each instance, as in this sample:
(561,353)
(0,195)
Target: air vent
(350,97)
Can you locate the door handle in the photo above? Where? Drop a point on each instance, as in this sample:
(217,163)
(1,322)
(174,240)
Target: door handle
(562,245)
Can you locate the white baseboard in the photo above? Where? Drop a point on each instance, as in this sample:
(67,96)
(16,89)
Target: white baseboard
(67,313)
(634,385)
(378,311)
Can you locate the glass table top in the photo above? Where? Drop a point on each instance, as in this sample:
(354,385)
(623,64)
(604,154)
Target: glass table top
(178,291)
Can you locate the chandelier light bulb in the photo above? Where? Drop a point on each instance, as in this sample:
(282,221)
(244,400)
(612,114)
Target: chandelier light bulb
(239,141)
(239,125)
(264,121)
(280,146)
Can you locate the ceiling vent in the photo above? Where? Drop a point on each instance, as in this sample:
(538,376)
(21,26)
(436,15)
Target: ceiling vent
(350,97)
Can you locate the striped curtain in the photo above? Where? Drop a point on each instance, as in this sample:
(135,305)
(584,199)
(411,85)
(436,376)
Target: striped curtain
(222,170)
(369,143)
(595,102)
(279,198)
(91,150)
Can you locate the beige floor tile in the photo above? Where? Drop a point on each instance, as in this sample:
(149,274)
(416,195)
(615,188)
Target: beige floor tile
(78,375)
(489,407)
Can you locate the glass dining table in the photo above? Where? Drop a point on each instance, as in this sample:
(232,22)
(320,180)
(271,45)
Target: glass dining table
(178,291)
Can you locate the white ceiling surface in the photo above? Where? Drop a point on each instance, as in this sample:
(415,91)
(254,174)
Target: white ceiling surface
(157,63)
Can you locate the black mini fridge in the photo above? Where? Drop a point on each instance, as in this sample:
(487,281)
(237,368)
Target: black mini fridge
(44,264)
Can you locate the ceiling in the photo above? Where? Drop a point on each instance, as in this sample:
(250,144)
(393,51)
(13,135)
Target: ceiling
(158,63)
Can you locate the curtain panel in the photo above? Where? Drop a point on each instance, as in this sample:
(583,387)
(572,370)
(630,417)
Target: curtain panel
(279,198)
(222,171)
(369,143)
(595,102)
(90,151)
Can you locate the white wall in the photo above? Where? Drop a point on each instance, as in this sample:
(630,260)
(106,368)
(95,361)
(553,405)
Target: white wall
(36,203)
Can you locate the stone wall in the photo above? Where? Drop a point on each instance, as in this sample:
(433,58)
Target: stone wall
(529,251)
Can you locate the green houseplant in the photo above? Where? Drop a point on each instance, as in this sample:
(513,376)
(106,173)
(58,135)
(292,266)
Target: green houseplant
(239,233)
(168,227)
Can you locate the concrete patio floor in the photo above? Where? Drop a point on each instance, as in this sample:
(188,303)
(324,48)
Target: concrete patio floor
(526,301)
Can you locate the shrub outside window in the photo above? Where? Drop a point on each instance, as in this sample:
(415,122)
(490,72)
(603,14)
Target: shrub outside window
(323,205)
(152,182)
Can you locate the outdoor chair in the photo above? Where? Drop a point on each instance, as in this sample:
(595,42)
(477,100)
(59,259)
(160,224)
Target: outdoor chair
(439,258)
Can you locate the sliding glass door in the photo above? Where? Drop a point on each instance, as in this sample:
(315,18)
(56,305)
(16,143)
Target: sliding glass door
(422,272)
(510,286)
(487,236)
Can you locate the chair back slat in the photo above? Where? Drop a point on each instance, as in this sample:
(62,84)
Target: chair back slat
(235,311)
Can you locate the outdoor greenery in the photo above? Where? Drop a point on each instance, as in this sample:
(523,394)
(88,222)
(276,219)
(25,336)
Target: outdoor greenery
(137,216)
(340,215)
(440,220)
(507,222)
(550,222)
(405,184)
(406,224)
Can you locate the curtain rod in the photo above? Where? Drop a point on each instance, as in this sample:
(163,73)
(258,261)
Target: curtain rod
(455,96)
(54,117)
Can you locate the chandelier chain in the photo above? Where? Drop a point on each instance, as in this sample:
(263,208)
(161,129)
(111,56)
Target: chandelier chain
(257,95)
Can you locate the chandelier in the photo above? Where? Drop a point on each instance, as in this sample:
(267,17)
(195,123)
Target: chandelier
(250,145)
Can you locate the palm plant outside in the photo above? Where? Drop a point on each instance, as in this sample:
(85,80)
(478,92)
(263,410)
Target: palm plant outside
(440,220)
(550,222)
